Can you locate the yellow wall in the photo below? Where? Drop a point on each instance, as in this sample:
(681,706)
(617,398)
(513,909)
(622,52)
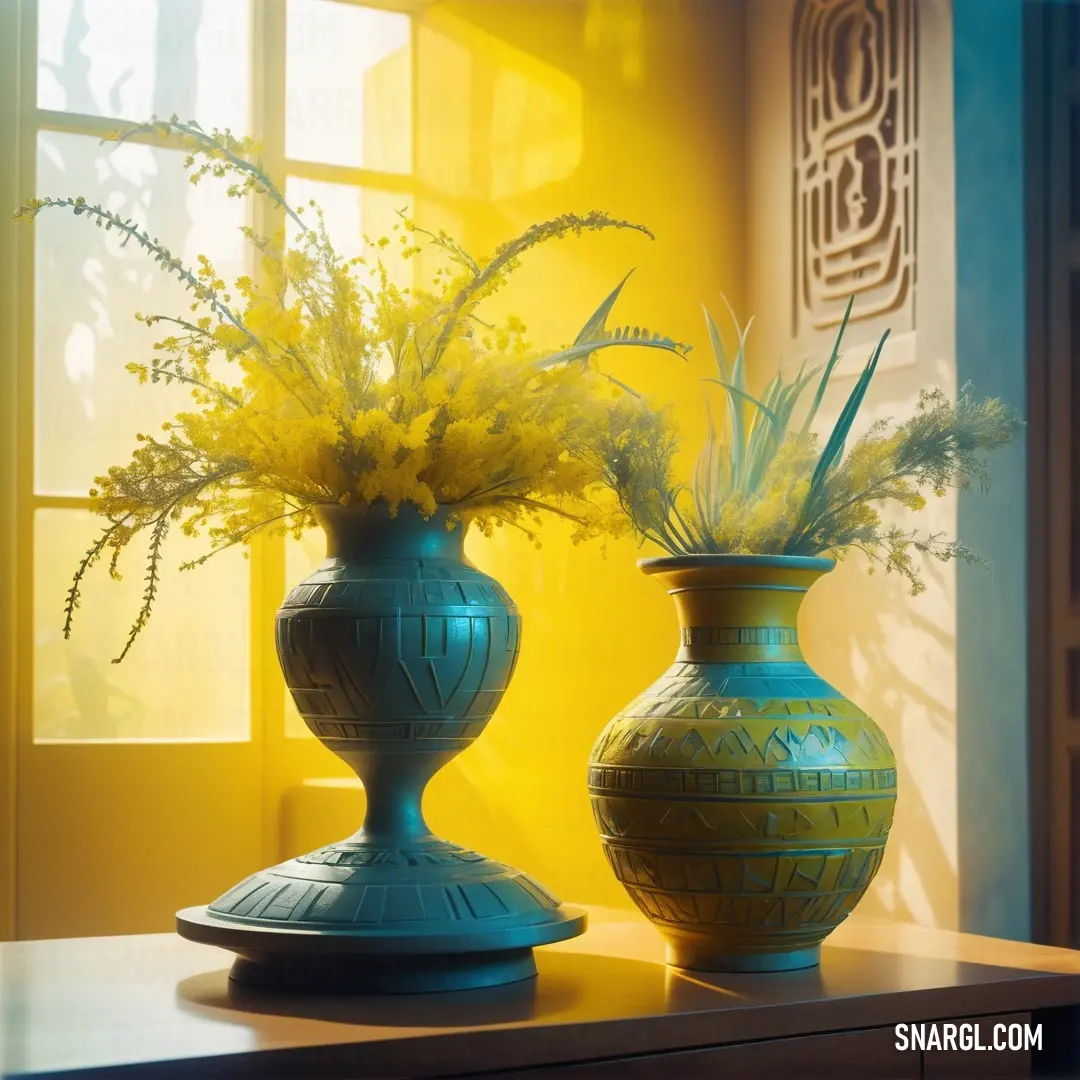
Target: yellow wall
(636,109)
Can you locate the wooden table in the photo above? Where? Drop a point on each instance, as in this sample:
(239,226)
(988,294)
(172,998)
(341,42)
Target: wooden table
(603,1006)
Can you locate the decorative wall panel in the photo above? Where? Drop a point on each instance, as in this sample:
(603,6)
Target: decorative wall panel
(855,153)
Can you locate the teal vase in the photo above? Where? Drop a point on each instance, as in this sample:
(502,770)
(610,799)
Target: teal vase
(396,651)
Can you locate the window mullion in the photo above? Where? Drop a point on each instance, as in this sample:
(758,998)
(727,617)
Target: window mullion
(11,529)
(25,286)
(60,502)
(348,174)
(102,127)
(267,552)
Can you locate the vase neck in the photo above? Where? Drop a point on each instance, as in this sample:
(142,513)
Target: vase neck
(362,532)
(744,611)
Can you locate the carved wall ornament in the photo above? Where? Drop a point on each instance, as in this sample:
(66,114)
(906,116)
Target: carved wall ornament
(854,152)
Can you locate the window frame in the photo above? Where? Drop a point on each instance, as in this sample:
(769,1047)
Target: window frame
(10,16)
(20,122)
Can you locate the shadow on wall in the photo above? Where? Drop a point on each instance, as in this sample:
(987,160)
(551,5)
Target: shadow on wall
(894,654)
(884,637)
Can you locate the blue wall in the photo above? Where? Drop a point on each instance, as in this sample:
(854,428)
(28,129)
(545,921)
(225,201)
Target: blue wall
(991,349)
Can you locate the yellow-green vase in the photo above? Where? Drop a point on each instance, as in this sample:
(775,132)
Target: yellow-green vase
(743,802)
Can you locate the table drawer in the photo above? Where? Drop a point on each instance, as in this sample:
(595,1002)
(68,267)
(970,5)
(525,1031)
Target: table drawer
(870,1055)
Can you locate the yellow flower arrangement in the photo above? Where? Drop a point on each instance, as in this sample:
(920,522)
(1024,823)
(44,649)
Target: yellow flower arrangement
(337,389)
(763,488)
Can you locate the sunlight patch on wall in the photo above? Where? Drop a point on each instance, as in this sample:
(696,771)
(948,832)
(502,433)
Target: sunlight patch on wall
(912,889)
(535,132)
(494,122)
(618,26)
(444,118)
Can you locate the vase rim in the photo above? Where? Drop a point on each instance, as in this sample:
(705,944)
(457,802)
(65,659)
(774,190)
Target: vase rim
(359,530)
(378,512)
(774,562)
(380,508)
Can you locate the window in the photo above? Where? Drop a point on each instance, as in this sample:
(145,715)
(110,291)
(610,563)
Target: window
(326,87)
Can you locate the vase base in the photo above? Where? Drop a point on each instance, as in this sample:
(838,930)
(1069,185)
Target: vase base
(691,958)
(407,974)
(404,960)
(378,918)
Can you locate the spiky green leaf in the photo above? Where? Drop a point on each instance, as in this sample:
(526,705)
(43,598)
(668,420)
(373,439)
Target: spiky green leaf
(596,326)
(838,438)
(585,349)
(834,359)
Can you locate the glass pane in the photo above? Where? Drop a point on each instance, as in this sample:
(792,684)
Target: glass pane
(302,557)
(187,675)
(348,85)
(351,213)
(136,58)
(88,289)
